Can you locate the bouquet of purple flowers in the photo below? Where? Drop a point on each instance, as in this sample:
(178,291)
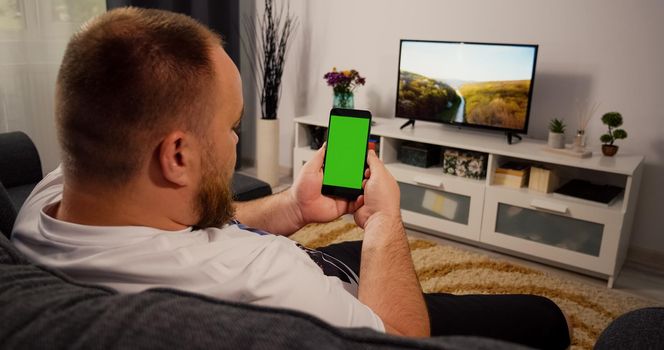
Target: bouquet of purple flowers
(344,81)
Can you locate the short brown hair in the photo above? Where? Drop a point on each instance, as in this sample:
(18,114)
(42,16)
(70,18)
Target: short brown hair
(127,78)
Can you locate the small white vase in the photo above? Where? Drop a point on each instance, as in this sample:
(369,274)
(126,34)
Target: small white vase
(267,151)
(556,140)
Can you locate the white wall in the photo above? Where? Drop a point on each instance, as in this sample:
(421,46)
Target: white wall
(608,51)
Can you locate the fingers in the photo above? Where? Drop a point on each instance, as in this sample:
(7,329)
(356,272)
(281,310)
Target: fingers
(343,206)
(374,164)
(316,162)
(360,216)
(372,157)
(356,204)
(359,202)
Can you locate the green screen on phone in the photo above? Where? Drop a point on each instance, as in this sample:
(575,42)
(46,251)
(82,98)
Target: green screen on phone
(346,151)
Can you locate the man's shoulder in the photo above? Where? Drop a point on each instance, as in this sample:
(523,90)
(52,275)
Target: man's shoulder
(238,236)
(46,192)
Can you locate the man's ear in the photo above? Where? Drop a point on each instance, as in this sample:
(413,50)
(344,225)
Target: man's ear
(175,158)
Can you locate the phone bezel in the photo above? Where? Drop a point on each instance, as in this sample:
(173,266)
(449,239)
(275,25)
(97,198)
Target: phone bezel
(339,191)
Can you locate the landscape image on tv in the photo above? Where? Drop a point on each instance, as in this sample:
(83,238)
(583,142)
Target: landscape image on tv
(465,83)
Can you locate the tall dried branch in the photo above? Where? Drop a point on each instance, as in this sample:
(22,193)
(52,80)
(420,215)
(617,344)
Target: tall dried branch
(266,46)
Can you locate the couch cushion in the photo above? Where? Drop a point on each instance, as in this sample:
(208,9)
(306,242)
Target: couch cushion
(19,194)
(247,188)
(10,255)
(19,160)
(7,212)
(637,329)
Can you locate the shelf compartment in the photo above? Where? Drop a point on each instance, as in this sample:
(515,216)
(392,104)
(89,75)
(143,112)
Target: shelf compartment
(564,174)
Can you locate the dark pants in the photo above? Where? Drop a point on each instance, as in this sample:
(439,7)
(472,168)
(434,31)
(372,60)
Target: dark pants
(525,319)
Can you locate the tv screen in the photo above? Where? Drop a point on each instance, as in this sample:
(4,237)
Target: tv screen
(468,84)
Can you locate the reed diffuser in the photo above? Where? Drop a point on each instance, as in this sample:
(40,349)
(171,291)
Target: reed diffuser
(585,113)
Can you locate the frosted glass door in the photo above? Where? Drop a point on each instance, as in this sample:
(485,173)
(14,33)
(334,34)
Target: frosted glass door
(445,205)
(551,229)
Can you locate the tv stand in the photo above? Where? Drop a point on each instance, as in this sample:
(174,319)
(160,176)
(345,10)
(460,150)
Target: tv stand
(560,230)
(509,135)
(410,122)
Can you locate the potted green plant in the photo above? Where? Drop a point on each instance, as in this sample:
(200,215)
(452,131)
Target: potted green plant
(557,133)
(613,120)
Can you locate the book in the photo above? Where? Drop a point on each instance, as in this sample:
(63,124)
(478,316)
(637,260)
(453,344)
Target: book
(605,194)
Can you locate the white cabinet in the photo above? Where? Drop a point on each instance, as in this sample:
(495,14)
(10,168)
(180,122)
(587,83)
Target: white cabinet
(572,233)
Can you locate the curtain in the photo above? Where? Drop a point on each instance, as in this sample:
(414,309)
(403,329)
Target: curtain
(33,36)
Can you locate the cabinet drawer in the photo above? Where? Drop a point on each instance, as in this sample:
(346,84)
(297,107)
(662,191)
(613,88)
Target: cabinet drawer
(453,212)
(567,232)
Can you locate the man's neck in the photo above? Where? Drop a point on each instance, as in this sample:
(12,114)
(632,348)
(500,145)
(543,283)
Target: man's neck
(128,206)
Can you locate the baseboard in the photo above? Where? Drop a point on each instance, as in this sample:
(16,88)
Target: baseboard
(646,259)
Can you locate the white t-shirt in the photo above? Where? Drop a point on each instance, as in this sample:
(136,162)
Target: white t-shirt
(230,263)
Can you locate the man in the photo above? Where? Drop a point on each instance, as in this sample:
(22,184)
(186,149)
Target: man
(146,106)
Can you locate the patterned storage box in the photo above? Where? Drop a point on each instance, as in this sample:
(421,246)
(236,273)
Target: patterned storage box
(465,163)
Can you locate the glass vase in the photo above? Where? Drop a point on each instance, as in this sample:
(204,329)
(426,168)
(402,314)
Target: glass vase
(580,141)
(343,100)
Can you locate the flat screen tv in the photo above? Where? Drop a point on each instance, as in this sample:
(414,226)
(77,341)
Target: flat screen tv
(480,85)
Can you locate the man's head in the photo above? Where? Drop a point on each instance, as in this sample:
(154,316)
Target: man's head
(148,98)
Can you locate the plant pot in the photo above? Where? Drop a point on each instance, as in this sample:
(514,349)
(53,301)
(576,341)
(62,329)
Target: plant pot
(609,150)
(556,140)
(267,151)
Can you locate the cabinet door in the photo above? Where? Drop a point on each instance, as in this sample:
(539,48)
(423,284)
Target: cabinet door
(567,232)
(451,208)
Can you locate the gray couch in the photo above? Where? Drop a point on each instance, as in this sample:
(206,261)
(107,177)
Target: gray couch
(43,309)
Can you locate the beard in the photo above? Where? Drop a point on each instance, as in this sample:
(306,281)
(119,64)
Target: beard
(214,201)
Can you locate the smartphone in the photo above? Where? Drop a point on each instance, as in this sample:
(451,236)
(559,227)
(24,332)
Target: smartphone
(346,152)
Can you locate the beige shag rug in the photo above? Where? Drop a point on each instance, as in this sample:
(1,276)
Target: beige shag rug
(451,270)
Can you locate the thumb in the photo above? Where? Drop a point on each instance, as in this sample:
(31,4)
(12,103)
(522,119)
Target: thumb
(372,159)
(316,162)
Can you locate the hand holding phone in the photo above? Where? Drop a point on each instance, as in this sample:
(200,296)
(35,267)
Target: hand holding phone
(346,152)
